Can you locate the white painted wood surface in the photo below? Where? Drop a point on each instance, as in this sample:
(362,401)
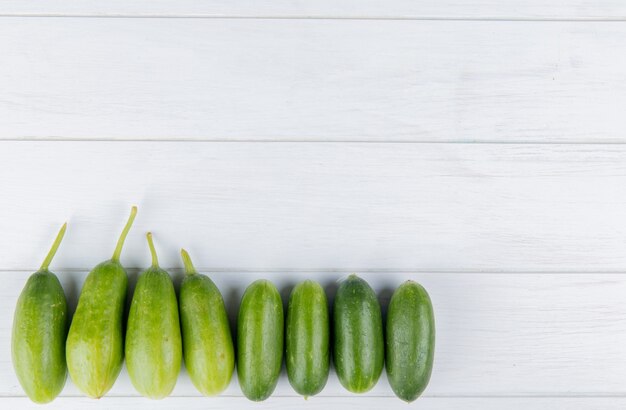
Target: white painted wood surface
(347,403)
(274,206)
(397,9)
(497,334)
(477,147)
(322,80)
(283,210)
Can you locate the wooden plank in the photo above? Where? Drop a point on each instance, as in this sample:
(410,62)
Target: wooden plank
(510,334)
(322,403)
(503,9)
(427,207)
(322,80)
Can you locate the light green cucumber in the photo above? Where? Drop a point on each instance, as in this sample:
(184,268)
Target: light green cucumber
(207,342)
(307,353)
(95,345)
(358,330)
(39,331)
(260,340)
(153,341)
(410,340)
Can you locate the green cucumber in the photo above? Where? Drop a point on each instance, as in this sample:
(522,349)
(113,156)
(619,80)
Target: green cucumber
(307,353)
(39,331)
(260,340)
(95,347)
(410,340)
(207,342)
(358,330)
(153,341)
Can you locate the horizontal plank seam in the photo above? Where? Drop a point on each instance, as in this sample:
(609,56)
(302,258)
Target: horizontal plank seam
(314,141)
(557,395)
(318,17)
(344,271)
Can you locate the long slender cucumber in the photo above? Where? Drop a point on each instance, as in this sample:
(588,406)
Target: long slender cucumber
(153,341)
(307,331)
(410,340)
(358,331)
(39,331)
(207,342)
(260,340)
(95,346)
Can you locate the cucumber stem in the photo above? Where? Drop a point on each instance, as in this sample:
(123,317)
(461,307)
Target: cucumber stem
(155,260)
(120,241)
(189,268)
(53,250)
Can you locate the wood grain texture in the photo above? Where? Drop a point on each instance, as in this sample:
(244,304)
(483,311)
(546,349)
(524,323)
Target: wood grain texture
(339,138)
(322,403)
(429,207)
(322,80)
(498,9)
(498,335)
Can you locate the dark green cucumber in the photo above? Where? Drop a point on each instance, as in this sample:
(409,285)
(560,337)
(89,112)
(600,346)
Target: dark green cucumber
(307,339)
(153,342)
(95,347)
(410,340)
(39,331)
(358,332)
(207,342)
(260,340)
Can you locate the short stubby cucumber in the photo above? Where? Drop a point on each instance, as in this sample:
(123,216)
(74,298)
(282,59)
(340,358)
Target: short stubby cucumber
(410,340)
(260,340)
(207,342)
(95,346)
(307,330)
(39,331)
(358,331)
(153,340)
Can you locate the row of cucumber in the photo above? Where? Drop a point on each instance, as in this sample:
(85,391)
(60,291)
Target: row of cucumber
(161,331)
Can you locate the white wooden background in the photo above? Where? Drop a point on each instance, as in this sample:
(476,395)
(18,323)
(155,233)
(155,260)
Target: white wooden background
(477,146)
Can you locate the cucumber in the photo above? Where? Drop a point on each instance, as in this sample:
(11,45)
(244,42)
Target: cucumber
(207,342)
(95,347)
(358,330)
(307,353)
(410,341)
(259,340)
(153,341)
(39,331)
